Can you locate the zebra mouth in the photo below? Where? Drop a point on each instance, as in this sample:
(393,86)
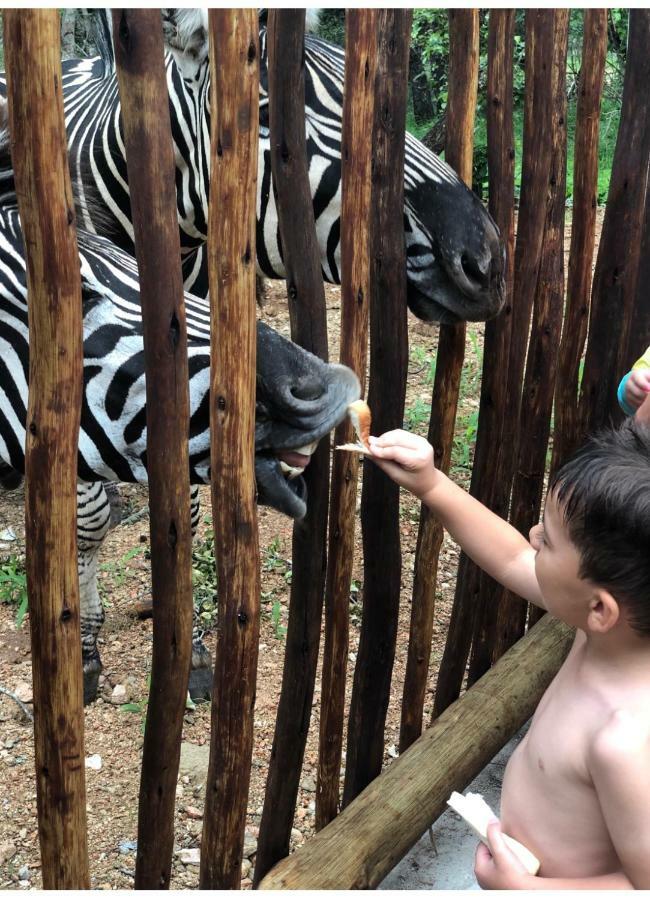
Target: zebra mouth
(279,479)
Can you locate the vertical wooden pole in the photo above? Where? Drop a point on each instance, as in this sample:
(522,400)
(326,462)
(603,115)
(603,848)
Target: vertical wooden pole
(461,111)
(150,161)
(487,483)
(306,292)
(640,327)
(356,164)
(532,216)
(506,623)
(617,264)
(388,364)
(583,233)
(55,388)
(234,64)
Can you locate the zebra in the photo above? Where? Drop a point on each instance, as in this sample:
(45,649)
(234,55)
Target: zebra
(299,399)
(454,256)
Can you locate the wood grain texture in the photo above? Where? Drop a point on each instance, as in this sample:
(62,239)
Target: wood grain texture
(356,168)
(461,112)
(541,367)
(583,235)
(388,365)
(617,264)
(358,849)
(151,172)
(234,62)
(39,152)
(467,618)
(473,587)
(306,293)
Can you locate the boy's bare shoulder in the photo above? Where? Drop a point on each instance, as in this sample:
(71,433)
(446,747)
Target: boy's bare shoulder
(623,738)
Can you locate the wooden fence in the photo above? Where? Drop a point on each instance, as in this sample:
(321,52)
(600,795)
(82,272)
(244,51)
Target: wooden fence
(531,360)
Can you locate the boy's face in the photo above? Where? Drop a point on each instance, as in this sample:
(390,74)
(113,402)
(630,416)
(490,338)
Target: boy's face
(557,564)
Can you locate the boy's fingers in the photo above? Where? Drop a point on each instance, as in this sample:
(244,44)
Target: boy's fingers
(403,456)
(398,437)
(495,840)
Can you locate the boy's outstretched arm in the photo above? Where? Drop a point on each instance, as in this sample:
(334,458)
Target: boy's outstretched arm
(493,544)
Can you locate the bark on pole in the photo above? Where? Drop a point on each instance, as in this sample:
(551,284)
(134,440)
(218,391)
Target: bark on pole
(388,364)
(461,110)
(617,265)
(306,292)
(640,328)
(39,152)
(234,64)
(356,163)
(583,234)
(151,170)
(487,483)
(506,623)
(374,832)
(466,616)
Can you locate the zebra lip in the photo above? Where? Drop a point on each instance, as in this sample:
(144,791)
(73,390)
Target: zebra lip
(293,459)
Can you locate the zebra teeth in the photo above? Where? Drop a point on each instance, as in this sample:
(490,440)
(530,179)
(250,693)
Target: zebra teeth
(308,449)
(290,471)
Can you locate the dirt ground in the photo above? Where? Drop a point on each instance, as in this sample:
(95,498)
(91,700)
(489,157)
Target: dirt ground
(115,735)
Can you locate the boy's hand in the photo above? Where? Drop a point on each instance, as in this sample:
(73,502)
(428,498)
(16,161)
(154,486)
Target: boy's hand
(407,459)
(637,387)
(497,868)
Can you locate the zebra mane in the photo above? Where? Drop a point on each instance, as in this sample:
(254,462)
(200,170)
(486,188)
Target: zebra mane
(103,34)
(185,32)
(312,19)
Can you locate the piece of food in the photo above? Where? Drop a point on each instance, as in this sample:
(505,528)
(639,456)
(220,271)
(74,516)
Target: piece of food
(359,412)
(477,814)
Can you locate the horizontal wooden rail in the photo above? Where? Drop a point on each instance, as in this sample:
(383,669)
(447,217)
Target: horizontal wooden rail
(373,833)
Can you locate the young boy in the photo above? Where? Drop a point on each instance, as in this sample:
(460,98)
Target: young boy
(576,791)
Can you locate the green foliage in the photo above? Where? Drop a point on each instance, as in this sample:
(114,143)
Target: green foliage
(276,613)
(416,416)
(204,580)
(13,586)
(429,61)
(331,26)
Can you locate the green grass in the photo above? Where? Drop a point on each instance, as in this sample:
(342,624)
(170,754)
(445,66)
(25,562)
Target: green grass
(13,586)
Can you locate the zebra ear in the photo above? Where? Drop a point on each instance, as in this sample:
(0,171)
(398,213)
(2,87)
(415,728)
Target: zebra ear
(185,32)
(312,16)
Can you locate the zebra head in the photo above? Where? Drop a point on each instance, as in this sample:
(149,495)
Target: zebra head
(455,259)
(454,255)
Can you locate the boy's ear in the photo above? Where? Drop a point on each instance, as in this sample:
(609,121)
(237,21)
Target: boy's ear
(604,612)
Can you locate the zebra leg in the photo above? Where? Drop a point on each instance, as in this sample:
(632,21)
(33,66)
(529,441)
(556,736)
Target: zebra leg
(93,523)
(200,683)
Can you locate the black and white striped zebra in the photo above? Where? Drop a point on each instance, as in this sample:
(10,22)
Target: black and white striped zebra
(454,257)
(299,400)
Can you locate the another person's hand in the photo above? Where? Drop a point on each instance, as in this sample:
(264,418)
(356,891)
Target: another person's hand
(407,459)
(497,868)
(643,412)
(637,387)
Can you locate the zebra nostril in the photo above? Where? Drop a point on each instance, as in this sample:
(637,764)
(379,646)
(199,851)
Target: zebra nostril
(477,272)
(308,388)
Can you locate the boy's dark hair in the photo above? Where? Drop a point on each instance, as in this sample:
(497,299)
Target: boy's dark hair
(604,495)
